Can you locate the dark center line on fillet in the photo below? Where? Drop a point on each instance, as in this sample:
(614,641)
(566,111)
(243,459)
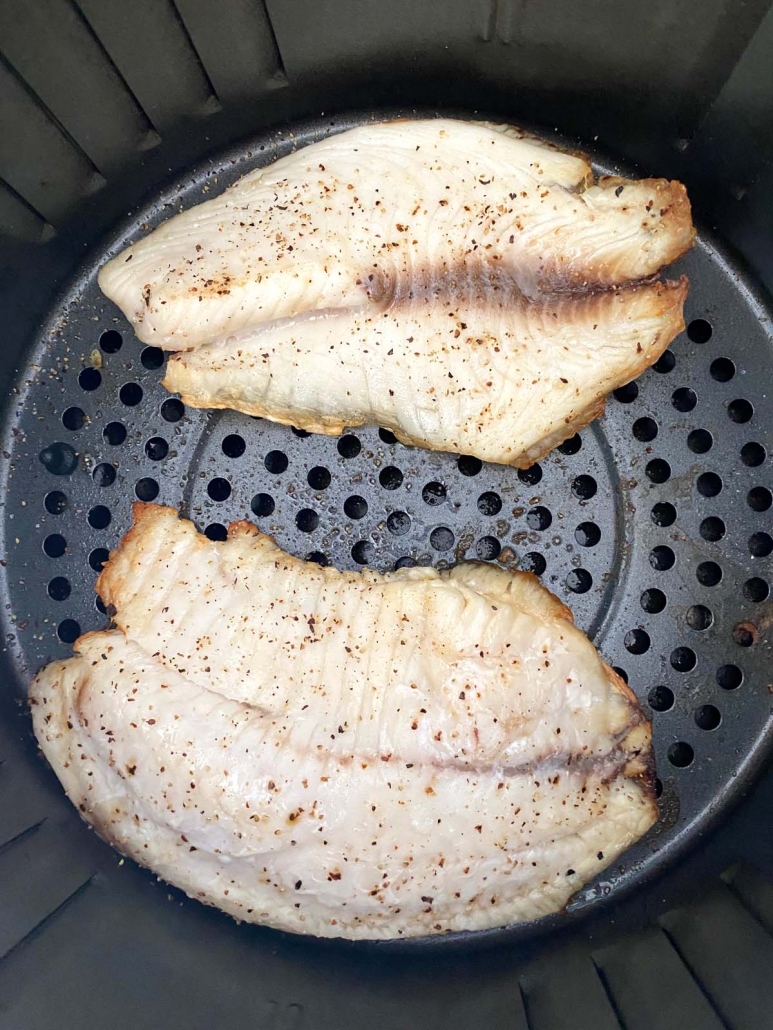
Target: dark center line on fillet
(476,296)
(612,761)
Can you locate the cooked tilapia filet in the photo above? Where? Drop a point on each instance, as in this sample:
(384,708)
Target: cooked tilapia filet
(362,217)
(344,754)
(488,374)
(441,278)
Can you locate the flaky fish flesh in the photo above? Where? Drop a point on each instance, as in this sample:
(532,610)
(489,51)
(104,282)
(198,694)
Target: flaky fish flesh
(440,278)
(339,753)
(502,379)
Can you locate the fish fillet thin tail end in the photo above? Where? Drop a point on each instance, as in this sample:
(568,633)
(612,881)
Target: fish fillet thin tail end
(674,209)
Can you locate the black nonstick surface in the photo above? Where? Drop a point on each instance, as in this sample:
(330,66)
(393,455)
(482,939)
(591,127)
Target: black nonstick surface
(654,524)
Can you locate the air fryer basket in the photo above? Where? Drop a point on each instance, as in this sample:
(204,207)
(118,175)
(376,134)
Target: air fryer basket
(655,525)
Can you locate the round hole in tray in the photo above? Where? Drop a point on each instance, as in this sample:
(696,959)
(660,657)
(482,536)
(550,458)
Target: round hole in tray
(59,588)
(219,489)
(627,394)
(406,562)
(661,699)
(68,631)
(442,538)
(98,557)
(684,399)
(653,601)
(658,470)
(55,502)
(172,410)
(760,545)
(433,493)
(579,581)
(398,523)
(699,617)
(363,552)
(587,534)
(146,489)
(262,505)
(746,634)
(729,677)
(699,330)
(584,487)
(759,498)
(55,545)
(722,370)
(756,589)
(356,507)
(645,429)
(539,518)
(712,528)
(74,418)
(90,379)
(130,394)
(307,520)
(533,562)
(740,410)
(318,478)
(276,462)
(709,573)
(707,717)
(662,558)
(681,754)
(349,446)
(665,363)
(114,433)
(156,448)
(469,466)
(152,357)
(532,475)
(111,341)
(104,474)
(233,445)
(700,441)
(683,659)
(709,484)
(571,446)
(488,548)
(489,503)
(391,477)
(637,641)
(753,454)
(663,514)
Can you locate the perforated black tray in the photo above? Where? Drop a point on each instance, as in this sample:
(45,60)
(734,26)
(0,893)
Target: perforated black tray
(654,523)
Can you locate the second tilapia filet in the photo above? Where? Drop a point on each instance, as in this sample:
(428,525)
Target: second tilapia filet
(396,262)
(342,753)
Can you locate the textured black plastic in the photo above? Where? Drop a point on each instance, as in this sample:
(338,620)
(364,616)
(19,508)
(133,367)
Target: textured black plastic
(653,524)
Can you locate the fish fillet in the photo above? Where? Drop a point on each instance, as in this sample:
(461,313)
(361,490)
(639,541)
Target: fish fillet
(487,374)
(344,754)
(361,217)
(464,284)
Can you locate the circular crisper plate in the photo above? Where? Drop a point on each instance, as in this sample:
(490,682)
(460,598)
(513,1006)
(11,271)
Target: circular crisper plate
(654,524)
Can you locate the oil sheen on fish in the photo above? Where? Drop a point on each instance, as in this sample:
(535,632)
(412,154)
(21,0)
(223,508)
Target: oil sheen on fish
(339,753)
(428,252)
